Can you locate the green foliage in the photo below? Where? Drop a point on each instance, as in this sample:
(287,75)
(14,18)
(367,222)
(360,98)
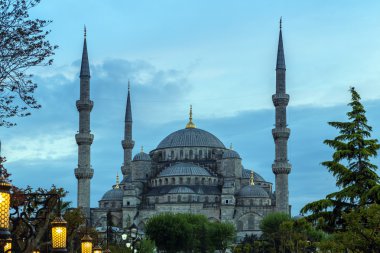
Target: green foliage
(188,232)
(355,175)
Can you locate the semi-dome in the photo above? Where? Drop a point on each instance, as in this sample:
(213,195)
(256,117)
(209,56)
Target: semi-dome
(114,194)
(190,137)
(184,169)
(181,189)
(230,154)
(252,191)
(256,176)
(141,157)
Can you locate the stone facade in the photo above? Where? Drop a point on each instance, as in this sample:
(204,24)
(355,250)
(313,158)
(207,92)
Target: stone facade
(191,171)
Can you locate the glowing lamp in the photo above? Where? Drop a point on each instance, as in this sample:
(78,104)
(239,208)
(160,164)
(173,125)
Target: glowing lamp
(58,234)
(5,202)
(97,249)
(86,244)
(36,251)
(8,245)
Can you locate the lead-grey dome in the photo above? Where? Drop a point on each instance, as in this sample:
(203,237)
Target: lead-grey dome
(181,189)
(229,153)
(256,176)
(190,137)
(114,194)
(141,157)
(252,191)
(184,169)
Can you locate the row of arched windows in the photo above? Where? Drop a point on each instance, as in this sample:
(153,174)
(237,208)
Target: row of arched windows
(185,198)
(182,181)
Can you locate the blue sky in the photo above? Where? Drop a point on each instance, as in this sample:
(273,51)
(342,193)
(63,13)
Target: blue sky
(218,56)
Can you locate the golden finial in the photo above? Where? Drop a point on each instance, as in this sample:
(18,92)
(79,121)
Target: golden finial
(85,31)
(190,124)
(142,149)
(232,148)
(117,186)
(251,179)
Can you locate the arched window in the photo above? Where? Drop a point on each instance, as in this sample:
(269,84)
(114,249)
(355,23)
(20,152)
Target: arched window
(196,180)
(188,180)
(179,198)
(251,222)
(200,154)
(191,154)
(206,199)
(166,181)
(251,202)
(203,180)
(181,154)
(157,200)
(209,154)
(239,225)
(180,180)
(169,199)
(173,180)
(160,181)
(172,155)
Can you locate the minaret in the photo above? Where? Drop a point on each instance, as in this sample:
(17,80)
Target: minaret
(281,167)
(84,138)
(127,143)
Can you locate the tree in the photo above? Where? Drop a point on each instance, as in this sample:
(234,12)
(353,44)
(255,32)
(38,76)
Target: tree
(222,235)
(356,176)
(270,226)
(23,45)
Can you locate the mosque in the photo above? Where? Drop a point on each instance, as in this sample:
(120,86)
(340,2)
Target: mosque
(190,170)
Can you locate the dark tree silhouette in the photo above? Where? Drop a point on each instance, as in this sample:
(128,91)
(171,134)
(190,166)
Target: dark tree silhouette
(23,44)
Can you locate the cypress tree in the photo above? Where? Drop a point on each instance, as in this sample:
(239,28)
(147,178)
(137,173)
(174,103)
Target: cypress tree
(356,177)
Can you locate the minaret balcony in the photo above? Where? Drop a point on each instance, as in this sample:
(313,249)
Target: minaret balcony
(127,144)
(84,138)
(83,173)
(281,133)
(84,105)
(281,167)
(280,99)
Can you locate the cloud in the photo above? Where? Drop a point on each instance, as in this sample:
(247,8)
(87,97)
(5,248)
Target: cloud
(49,146)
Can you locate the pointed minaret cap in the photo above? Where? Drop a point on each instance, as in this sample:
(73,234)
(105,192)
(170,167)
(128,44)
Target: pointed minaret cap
(128,111)
(231,147)
(84,68)
(252,179)
(142,149)
(190,124)
(280,51)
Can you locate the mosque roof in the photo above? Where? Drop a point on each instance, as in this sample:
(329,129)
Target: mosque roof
(141,157)
(113,194)
(180,189)
(184,169)
(229,153)
(252,191)
(190,137)
(257,177)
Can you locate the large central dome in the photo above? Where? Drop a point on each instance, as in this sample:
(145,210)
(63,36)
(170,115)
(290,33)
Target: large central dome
(190,137)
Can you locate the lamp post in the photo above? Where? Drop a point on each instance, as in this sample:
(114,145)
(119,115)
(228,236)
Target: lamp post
(5,202)
(86,244)
(131,237)
(98,249)
(58,234)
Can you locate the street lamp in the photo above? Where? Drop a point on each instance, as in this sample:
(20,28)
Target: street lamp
(5,201)
(98,249)
(86,244)
(58,232)
(8,245)
(36,251)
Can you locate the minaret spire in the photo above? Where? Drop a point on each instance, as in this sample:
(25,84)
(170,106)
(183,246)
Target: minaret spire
(190,124)
(281,166)
(84,138)
(127,143)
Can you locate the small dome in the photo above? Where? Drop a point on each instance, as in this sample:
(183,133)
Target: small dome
(114,194)
(184,169)
(229,153)
(181,189)
(190,137)
(141,157)
(252,191)
(256,176)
